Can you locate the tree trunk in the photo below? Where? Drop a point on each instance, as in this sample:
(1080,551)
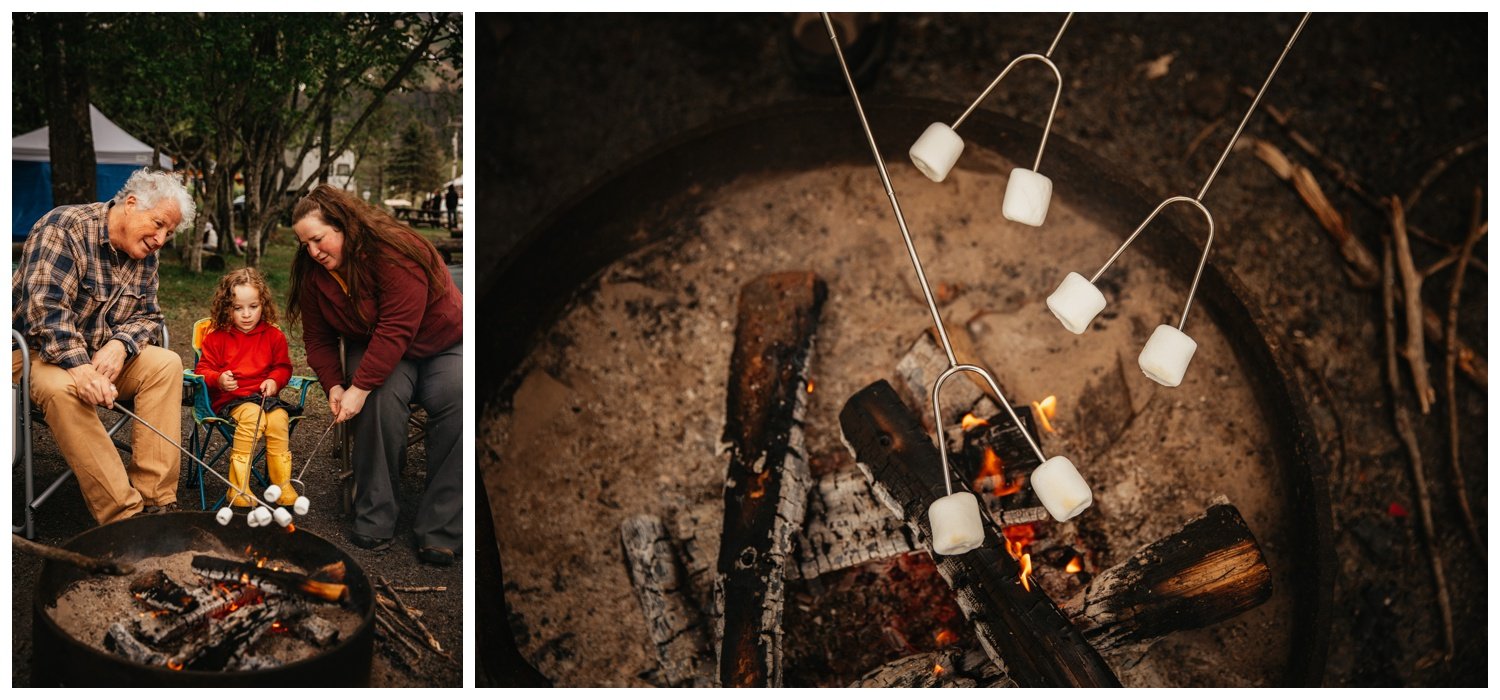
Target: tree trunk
(70,135)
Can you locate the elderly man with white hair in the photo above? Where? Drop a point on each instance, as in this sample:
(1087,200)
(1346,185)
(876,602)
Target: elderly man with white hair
(84,297)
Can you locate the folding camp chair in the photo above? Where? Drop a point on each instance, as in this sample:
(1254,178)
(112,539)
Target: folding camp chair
(27,417)
(207,423)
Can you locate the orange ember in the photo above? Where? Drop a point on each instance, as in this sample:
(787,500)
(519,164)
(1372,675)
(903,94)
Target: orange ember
(809,385)
(758,488)
(945,637)
(970,421)
(174,664)
(937,669)
(1074,566)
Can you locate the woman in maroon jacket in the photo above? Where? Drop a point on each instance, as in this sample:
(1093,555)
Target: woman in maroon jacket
(362,276)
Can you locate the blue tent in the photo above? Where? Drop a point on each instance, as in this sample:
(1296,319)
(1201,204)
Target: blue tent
(118,154)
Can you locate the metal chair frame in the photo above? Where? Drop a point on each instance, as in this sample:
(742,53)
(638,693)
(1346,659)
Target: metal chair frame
(26,417)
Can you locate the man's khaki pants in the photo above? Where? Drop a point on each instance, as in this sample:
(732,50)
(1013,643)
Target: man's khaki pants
(154,381)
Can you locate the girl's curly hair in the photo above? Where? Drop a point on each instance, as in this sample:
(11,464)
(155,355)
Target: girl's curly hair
(223,301)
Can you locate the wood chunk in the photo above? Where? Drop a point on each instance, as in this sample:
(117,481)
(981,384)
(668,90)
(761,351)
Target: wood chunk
(1021,630)
(1208,571)
(671,616)
(946,668)
(318,630)
(846,527)
(765,489)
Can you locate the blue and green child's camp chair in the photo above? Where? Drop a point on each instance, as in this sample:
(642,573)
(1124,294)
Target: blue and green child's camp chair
(206,423)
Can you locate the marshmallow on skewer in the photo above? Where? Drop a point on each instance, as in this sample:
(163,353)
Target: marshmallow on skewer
(1026,197)
(283,518)
(224,515)
(251,519)
(273,492)
(1061,488)
(262,515)
(1167,354)
(956,527)
(1076,302)
(936,150)
(301,506)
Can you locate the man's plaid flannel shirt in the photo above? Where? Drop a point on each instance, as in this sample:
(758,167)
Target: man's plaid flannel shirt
(74,292)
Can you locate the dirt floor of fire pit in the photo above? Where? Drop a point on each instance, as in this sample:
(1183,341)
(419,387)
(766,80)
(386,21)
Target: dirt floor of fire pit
(621,409)
(64,516)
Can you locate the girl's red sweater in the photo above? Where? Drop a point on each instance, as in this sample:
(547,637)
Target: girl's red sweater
(253,356)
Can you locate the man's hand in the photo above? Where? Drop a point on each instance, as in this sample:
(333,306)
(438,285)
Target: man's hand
(92,386)
(334,397)
(351,403)
(268,387)
(110,359)
(227,382)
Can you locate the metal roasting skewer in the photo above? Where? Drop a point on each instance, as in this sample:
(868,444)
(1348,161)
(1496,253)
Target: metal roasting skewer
(312,454)
(954,367)
(1198,200)
(1044,58)
(192,456)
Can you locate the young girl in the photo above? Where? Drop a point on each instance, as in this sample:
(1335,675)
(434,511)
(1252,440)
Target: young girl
(245,360)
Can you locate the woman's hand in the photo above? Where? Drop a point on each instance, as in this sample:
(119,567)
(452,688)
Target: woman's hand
(350,404)
(268,387)
(335,395)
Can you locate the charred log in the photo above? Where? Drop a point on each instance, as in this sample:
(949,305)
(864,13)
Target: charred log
(1021,629)
(1209,571)
(270,580)
(846,527)
(765,489)
(158,591)
(661,587)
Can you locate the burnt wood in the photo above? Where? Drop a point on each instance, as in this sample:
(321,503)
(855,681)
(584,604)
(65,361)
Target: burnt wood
(1021,630)
(765,489)
(672,618)
(270,580)
(1208,571)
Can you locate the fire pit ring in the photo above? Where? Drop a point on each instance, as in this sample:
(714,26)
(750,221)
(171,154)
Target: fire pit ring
(58,656)
(643,199)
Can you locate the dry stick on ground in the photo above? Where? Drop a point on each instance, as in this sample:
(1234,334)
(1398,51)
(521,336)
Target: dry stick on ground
(1411,288)
(1365,272)
(1351,180)
(90,564)
(1441,165)
(1450,360)
(1409,439)
(419,589)
(432,641)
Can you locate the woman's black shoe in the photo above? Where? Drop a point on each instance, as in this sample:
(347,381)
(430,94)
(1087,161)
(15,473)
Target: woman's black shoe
(437,556)
(375,544)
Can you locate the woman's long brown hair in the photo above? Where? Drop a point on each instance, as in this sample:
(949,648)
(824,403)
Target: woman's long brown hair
(369,233)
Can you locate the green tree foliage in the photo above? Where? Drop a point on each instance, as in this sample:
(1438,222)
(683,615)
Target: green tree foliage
(415,167)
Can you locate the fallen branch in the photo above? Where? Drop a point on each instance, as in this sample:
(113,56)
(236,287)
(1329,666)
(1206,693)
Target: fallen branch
(1411,288)
(1362,268)
(1440,166)
(419,589)
(93,565)
(432,642)
(1409,439)
(1450,361)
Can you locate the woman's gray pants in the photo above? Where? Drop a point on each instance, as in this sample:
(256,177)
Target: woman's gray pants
(436,384)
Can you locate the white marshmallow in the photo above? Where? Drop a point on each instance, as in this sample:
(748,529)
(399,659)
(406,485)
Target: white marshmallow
(283,518)
(1076,302)
(955,523)
(936,150)
(225,515)
(301,506)
(1167,354)
(273,492)
(251,519)
(262,516)
(1026,197)
(1061,488)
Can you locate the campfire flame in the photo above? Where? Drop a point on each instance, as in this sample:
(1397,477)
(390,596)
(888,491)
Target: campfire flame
(937,669)
(1074,566)
(944,637)
(994,470)
(1044,411)
(971,421)
(1017,539)
(174,664)
(809,385)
